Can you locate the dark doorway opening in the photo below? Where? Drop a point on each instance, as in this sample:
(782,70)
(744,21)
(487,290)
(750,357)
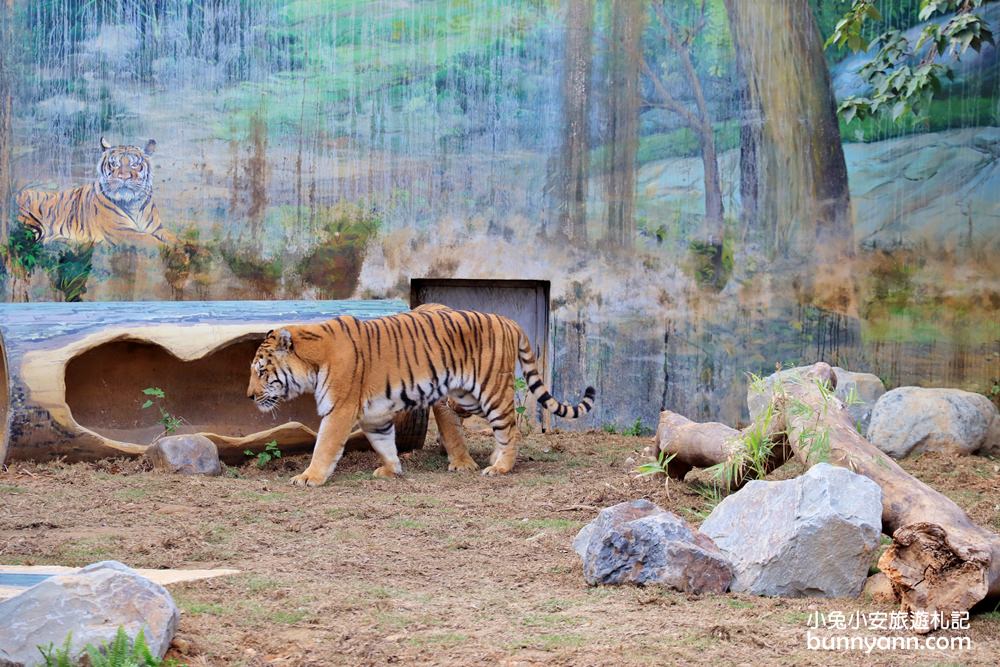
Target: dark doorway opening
(524,301)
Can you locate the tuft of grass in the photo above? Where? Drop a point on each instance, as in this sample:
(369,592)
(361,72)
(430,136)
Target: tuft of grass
(636,429)
(131,494)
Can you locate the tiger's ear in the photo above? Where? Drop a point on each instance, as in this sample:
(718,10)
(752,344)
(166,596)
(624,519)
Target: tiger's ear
(104,144)
(284,340)
(150,147)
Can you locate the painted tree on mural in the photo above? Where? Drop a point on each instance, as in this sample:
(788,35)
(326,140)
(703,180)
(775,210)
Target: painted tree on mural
(696,114)
(574,154)
(622,130)
(794,178)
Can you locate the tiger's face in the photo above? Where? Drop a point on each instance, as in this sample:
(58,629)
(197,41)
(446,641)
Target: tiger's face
(125,174)
(278,374)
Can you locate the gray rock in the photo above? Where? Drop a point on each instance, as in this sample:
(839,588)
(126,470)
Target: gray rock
(90,604)
(637,542)
(813,536)
(864,388)
(185,454)
(910,420)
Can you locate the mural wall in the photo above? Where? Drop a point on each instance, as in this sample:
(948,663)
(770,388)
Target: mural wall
(677,170)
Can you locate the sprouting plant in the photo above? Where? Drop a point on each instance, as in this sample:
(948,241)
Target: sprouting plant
(265,456)
(57,657)
(636,429)
(609,427)
(853,397)
(711,494)
(122,653)
(658,467)
(520,389)
(752,454)
(169,421)
(757,384)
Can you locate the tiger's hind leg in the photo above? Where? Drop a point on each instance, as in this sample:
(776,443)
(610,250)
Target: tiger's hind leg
(503,421)
(451,436)
(382,437)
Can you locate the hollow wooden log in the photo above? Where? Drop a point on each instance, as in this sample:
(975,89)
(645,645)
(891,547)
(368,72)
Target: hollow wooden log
(939,559)
(72,375)
(703,445)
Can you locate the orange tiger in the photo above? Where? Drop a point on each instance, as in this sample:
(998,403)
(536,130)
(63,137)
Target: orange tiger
(368,370)
(118,207)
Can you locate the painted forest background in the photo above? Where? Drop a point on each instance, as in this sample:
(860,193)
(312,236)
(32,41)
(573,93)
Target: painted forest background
(677,170)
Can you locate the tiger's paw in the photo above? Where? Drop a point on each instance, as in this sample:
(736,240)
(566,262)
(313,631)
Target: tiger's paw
(494,470)
(307,478)
(384,472)
(463,465)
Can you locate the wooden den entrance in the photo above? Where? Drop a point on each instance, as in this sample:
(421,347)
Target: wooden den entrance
(524,301)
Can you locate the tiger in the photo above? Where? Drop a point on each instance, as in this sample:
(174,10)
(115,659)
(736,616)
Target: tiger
(366,371)
(117,207)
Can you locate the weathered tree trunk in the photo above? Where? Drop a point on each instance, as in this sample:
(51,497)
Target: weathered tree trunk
(622,135)
(793,161)
(939,560)
(575,150)
(73,376)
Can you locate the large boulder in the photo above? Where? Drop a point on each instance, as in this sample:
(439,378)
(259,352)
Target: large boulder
(91,604)
(858,392)
(813,536)
(637,542)
(185,454)
(910,420)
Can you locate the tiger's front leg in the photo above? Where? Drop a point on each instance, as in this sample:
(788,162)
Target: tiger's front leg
(333,432)
(382,436)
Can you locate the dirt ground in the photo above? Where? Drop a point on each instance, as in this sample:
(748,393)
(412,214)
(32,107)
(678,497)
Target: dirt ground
(436,568)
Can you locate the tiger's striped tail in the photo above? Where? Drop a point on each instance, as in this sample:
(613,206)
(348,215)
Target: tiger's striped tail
(541,392)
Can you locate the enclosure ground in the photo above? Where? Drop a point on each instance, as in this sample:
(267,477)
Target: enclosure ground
(436,568)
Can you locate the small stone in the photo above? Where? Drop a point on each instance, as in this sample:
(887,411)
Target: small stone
(812,536)
(185,454)
(91,605)
(911,420)
(637,542)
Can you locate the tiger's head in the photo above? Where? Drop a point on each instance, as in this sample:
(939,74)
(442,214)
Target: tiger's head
(277,373)
(125,174)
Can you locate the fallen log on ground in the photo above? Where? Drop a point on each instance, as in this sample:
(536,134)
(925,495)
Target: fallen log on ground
(704,445)
(939,561)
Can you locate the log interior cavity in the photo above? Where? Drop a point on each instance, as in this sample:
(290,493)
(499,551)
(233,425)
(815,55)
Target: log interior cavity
(104,392)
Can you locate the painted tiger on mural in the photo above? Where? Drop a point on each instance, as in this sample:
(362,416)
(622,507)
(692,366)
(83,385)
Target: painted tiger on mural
(366,371)
(116,208)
